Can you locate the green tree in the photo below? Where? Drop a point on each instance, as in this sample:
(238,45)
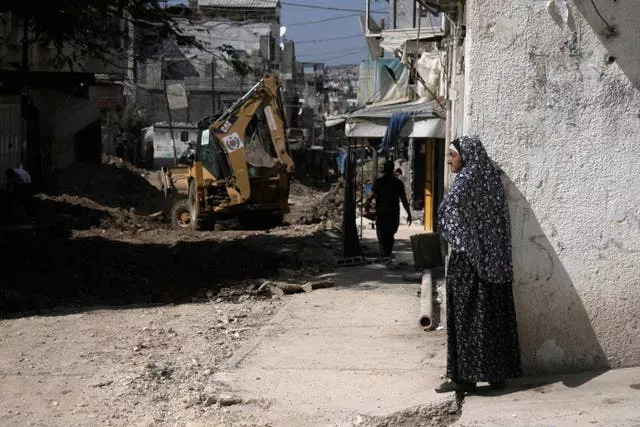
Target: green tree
(90,28)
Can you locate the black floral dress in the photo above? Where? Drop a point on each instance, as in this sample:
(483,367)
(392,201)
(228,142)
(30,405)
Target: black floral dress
(483,343)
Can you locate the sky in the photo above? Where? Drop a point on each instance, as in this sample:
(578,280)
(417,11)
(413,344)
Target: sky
(311,28)
(312,38)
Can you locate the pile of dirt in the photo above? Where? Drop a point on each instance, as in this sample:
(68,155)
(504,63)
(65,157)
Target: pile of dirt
(112,184)
(330,208)
(299,189)
(71,212)
(47,267)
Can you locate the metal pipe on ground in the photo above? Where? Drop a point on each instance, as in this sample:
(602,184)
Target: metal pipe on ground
(427,320)
(429,317)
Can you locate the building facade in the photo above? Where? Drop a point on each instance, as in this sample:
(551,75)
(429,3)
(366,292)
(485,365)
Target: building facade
(240,42)
(51,112)
(552,88)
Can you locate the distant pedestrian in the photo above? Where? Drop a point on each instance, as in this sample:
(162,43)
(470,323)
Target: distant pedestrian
(483,343)
(388,191)
(19,188)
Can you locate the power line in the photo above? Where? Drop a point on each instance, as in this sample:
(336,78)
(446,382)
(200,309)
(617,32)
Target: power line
(323,20)
(326,7)
(329,39)
(316,58)
(331,52)
(324,60)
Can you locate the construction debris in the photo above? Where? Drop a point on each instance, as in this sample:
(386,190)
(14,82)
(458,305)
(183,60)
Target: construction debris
(112,184)
(279,288)
(330,208)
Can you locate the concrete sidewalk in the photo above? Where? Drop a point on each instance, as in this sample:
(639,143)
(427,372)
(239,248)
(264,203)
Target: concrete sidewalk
(610,398)
(356,355)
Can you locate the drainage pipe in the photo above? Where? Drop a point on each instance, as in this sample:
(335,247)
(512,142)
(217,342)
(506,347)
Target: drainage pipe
(427,319)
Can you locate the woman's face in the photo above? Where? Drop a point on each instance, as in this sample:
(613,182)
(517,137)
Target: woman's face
(454,161)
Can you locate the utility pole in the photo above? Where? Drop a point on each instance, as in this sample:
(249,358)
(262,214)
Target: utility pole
(187,93)
(24,92)
(213,85)
(166,95)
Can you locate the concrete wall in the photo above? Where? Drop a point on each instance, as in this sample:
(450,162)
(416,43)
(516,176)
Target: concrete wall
(561,116)
(200,104)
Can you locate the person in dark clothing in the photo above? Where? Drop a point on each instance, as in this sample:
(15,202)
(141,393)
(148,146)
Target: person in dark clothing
(388,192)
(19,186)
(482,333)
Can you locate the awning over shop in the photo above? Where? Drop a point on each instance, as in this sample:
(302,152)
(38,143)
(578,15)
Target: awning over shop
(372,121)
(426,128)
(334,121)
(417,109)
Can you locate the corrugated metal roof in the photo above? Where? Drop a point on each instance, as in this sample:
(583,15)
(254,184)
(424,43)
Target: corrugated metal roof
(240,4)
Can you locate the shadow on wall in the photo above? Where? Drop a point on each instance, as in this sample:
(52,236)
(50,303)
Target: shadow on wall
(556,335)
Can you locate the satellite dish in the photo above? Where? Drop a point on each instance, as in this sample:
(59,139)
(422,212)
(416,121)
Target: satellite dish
(283,30)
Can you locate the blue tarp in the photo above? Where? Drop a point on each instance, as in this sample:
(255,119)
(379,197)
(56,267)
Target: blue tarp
(396,122)
(341,160)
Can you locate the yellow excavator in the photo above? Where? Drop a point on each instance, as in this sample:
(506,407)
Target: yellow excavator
(242,165)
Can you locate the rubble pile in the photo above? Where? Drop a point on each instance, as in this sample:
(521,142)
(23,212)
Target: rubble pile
(67,211)
(331,207)
(113,195)
(112,184)
(47,268)
(299,189)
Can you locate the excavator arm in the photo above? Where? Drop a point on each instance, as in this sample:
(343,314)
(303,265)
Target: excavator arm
(228,135)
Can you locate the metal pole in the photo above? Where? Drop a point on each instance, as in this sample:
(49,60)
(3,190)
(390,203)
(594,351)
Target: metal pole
(351,242)
(24,95)
(187,93)
(166,95)
(213,85)
(362,196)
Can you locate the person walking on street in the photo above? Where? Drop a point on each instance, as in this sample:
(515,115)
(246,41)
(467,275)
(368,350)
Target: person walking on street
(482,335)
(19,188)
(388,191)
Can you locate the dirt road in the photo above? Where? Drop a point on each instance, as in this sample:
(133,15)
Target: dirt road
(109,317)
(124,366)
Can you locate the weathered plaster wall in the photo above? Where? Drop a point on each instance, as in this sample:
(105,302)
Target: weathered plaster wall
(562,118)
(243,36)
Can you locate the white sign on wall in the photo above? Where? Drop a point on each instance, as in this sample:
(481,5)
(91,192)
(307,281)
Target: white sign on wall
(177,96)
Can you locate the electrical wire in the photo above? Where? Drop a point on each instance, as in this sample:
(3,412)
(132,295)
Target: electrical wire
(326,7)
(330,53)
(333,58)
(325,60)
(323,20)
(610,27)
(297,42)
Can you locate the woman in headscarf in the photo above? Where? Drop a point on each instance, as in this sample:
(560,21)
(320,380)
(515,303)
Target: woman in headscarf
(483,344)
